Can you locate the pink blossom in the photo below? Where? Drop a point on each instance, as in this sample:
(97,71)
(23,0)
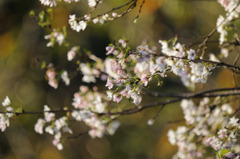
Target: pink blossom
(56,142)
(109,83)
(53,83)
(51,78)
(50,74)
(72,53)
(4,122)
(48,115)
(222,133)
(117,98)
(123,42)
(144,79)
(83,89)
(224,3)
(125,93)
(78,101)
(109,50)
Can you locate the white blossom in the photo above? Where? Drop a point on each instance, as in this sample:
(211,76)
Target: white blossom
(92,3)
(65,78)
(171,137)
(49,129)
(191,54)
(233,122)
(39,126)
(75,25)
(136,98)
(150,122)
(4,122)
(72,53)
(111,129)
(88,73)
(48,115)
(50,3)
(109,94)
(6,102)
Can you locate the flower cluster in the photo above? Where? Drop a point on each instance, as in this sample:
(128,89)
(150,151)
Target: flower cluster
(128,92)
(55,37)
(183,63)
(53,3)
(4,118)
(105,18)
(232,8)
(77,25)
(52,76)
(88,105)
(130,71)
(89,73)
(53,126)
(210,127)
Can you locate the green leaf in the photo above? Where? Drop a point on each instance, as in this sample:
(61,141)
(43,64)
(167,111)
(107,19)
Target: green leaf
(19,110)
(218,154)
(224,151)
(44,65)
(174,40)
(126,54)
(32,13)
(49,10)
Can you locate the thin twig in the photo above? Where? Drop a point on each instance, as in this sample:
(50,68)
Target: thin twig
(133,5)
(205,41)
(140,9)
(234,63)
(176,121)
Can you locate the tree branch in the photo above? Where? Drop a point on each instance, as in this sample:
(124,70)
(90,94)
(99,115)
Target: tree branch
(208,93)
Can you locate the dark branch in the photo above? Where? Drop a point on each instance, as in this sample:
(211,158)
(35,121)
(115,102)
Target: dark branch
(209,93)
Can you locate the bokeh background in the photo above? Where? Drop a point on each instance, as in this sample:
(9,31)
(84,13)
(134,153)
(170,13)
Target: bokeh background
(23,48)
